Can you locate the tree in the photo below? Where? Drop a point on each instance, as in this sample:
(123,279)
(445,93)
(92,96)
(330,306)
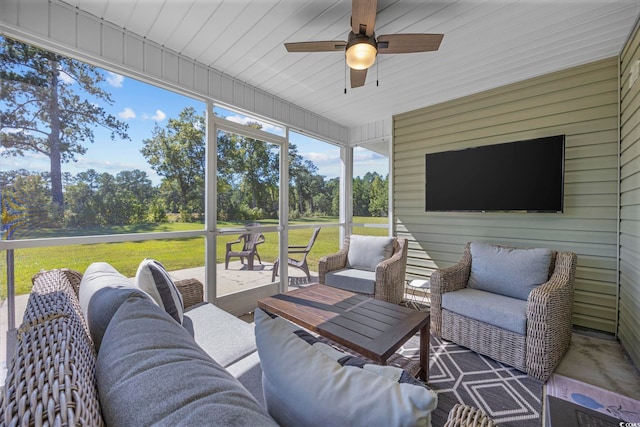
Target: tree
(379,196)
(102,199)
(51,105)
(248,177)
(177,153)
(27,201)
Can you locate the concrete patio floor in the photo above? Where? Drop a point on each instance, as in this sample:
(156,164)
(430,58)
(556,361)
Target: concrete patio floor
(238,277)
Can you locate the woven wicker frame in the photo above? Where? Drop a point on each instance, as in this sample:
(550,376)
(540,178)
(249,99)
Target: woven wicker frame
(548,318)
(467,416)
(51,377)
(389,273)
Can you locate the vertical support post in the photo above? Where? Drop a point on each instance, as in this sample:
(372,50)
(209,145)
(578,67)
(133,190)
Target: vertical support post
(346,192)
(210,206)
(11,305)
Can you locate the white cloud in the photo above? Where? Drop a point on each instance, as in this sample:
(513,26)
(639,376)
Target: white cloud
(322,157)
(127,114)
(265,126)
(66,78)
(114,79)
(159,116)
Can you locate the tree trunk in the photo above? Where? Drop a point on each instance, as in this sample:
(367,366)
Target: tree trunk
(57,196)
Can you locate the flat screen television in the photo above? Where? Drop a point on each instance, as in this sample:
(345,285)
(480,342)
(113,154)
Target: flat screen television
(515,176)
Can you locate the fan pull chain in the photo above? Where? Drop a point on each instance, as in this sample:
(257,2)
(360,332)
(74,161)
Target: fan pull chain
(377,68)
(345,75)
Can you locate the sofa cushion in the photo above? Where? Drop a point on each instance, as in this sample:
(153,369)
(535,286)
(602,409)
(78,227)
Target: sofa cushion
(495,309)
(312,389)
(351,279)
(512,272)
(102,290)
(153,279)
(366,252)
(248,371)
(151,372)
(210,326)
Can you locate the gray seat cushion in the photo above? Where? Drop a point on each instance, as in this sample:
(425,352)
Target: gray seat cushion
(223,336)
(249,372)
(351,279)
(497,310)
(151,372)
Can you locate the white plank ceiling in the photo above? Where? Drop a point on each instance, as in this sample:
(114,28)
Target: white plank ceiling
(487,44)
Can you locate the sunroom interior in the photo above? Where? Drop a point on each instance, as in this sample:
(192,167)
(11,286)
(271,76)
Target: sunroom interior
(504,72)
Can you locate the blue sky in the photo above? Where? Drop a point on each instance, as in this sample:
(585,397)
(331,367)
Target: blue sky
(142,106)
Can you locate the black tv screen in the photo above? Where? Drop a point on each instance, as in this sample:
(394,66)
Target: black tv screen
(515,176)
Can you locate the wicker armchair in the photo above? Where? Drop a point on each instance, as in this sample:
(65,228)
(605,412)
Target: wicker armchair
(548,318)
(389,274)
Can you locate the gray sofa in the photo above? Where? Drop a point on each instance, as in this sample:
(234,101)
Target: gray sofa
(511,304)
(95,350)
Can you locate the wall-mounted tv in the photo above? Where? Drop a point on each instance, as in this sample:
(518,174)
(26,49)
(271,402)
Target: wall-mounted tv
(515,176)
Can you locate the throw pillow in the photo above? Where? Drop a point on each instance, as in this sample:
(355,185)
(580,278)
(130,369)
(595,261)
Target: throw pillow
(366,252)
(512,272)
(304,385)
(102,290)
(151,372)
(153,279)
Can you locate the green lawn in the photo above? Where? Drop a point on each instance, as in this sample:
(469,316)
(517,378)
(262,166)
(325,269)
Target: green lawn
(175,254)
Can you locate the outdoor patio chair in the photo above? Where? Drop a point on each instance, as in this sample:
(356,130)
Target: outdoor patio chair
(511,304)
(295,262)
(250,242)
(370,265)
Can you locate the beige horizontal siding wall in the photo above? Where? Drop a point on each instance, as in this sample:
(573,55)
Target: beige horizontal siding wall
(581,103)
(629,323)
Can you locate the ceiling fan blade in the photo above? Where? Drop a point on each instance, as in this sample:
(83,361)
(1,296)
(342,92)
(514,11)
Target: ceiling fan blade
(363,16)
(358,77)
(409,43)
(322,46)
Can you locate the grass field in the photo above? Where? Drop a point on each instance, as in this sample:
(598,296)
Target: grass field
(175,254)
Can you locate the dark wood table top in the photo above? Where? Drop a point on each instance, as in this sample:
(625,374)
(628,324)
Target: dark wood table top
(373,328)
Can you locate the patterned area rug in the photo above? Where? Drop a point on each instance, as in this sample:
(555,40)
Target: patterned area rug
(457,374)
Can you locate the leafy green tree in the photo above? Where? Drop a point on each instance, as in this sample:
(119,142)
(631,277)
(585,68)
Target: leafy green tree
(248,177)
(177,153)
(379,196)
(27,200)
(102,199)
(51,105)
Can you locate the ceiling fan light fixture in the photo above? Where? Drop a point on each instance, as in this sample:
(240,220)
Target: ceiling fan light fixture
(361,51)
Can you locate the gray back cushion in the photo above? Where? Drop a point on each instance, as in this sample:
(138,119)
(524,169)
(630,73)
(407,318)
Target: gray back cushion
(305,386)
(366,252)
(151,372)
(102,290)
(512,272)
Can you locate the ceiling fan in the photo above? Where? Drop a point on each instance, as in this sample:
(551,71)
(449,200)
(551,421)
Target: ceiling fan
(362,45)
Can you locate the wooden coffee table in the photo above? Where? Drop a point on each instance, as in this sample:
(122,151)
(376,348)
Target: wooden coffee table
(373,328)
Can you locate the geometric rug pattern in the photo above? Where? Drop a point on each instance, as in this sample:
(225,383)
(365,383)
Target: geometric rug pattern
(457,374)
